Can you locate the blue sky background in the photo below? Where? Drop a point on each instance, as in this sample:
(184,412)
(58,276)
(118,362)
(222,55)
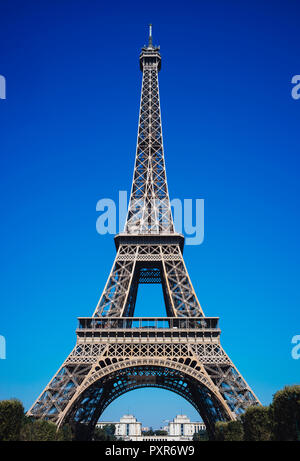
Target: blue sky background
(68,134)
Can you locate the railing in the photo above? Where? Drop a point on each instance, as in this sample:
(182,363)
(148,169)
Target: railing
(95,323)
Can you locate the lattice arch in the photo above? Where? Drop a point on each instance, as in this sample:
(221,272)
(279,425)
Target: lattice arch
(105,385)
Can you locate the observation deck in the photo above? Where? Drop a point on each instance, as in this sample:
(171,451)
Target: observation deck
(141,329)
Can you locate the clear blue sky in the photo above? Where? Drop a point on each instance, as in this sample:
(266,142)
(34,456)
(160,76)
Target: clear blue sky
(68,134)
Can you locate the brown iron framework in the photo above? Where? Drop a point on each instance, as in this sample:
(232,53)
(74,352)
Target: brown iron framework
(117,352)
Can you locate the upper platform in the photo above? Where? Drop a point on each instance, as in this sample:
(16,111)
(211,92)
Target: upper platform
(150,239)
(150,55)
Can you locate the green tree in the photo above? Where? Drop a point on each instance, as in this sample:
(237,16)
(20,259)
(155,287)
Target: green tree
(257,424)
(230,431)
(65,433)
(150,432)
(160,432)
(11,419)
(286,413)
(106,433)
(110,430)
(38,430)
(200,436)
(220,428)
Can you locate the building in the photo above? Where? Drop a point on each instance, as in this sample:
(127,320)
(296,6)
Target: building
(126,428)
(181,426)
(180,429)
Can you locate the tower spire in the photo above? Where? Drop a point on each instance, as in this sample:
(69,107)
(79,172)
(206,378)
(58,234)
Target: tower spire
(149,209)
(150,36)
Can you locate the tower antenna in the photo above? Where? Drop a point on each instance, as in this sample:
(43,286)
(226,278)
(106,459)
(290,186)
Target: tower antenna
(150,35)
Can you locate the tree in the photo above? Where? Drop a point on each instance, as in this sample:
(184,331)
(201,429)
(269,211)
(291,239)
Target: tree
(200,436)
(160,432)
(150,432)
(257,424)
(65,433)
(105,433)
(11,419)
(230,431)
(110,430)
(220,428)
(39,430)
(286,413)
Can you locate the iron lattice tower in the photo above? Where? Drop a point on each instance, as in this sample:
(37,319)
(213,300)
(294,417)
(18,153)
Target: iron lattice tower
(116,352)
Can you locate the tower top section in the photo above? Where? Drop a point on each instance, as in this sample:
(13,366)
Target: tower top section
(150,55)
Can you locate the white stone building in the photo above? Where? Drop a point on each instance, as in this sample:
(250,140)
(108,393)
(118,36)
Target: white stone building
(180,429)
(127,427)
(182,426)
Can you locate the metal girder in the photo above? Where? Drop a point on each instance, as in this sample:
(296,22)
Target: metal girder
(149,210)
(119,295)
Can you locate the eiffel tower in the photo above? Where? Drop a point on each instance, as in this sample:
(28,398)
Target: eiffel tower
(116,352)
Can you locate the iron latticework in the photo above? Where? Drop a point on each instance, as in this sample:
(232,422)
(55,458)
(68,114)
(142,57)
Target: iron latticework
(117,352)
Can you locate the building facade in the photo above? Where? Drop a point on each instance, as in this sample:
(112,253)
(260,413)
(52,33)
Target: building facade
(181,428)
(127,427)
